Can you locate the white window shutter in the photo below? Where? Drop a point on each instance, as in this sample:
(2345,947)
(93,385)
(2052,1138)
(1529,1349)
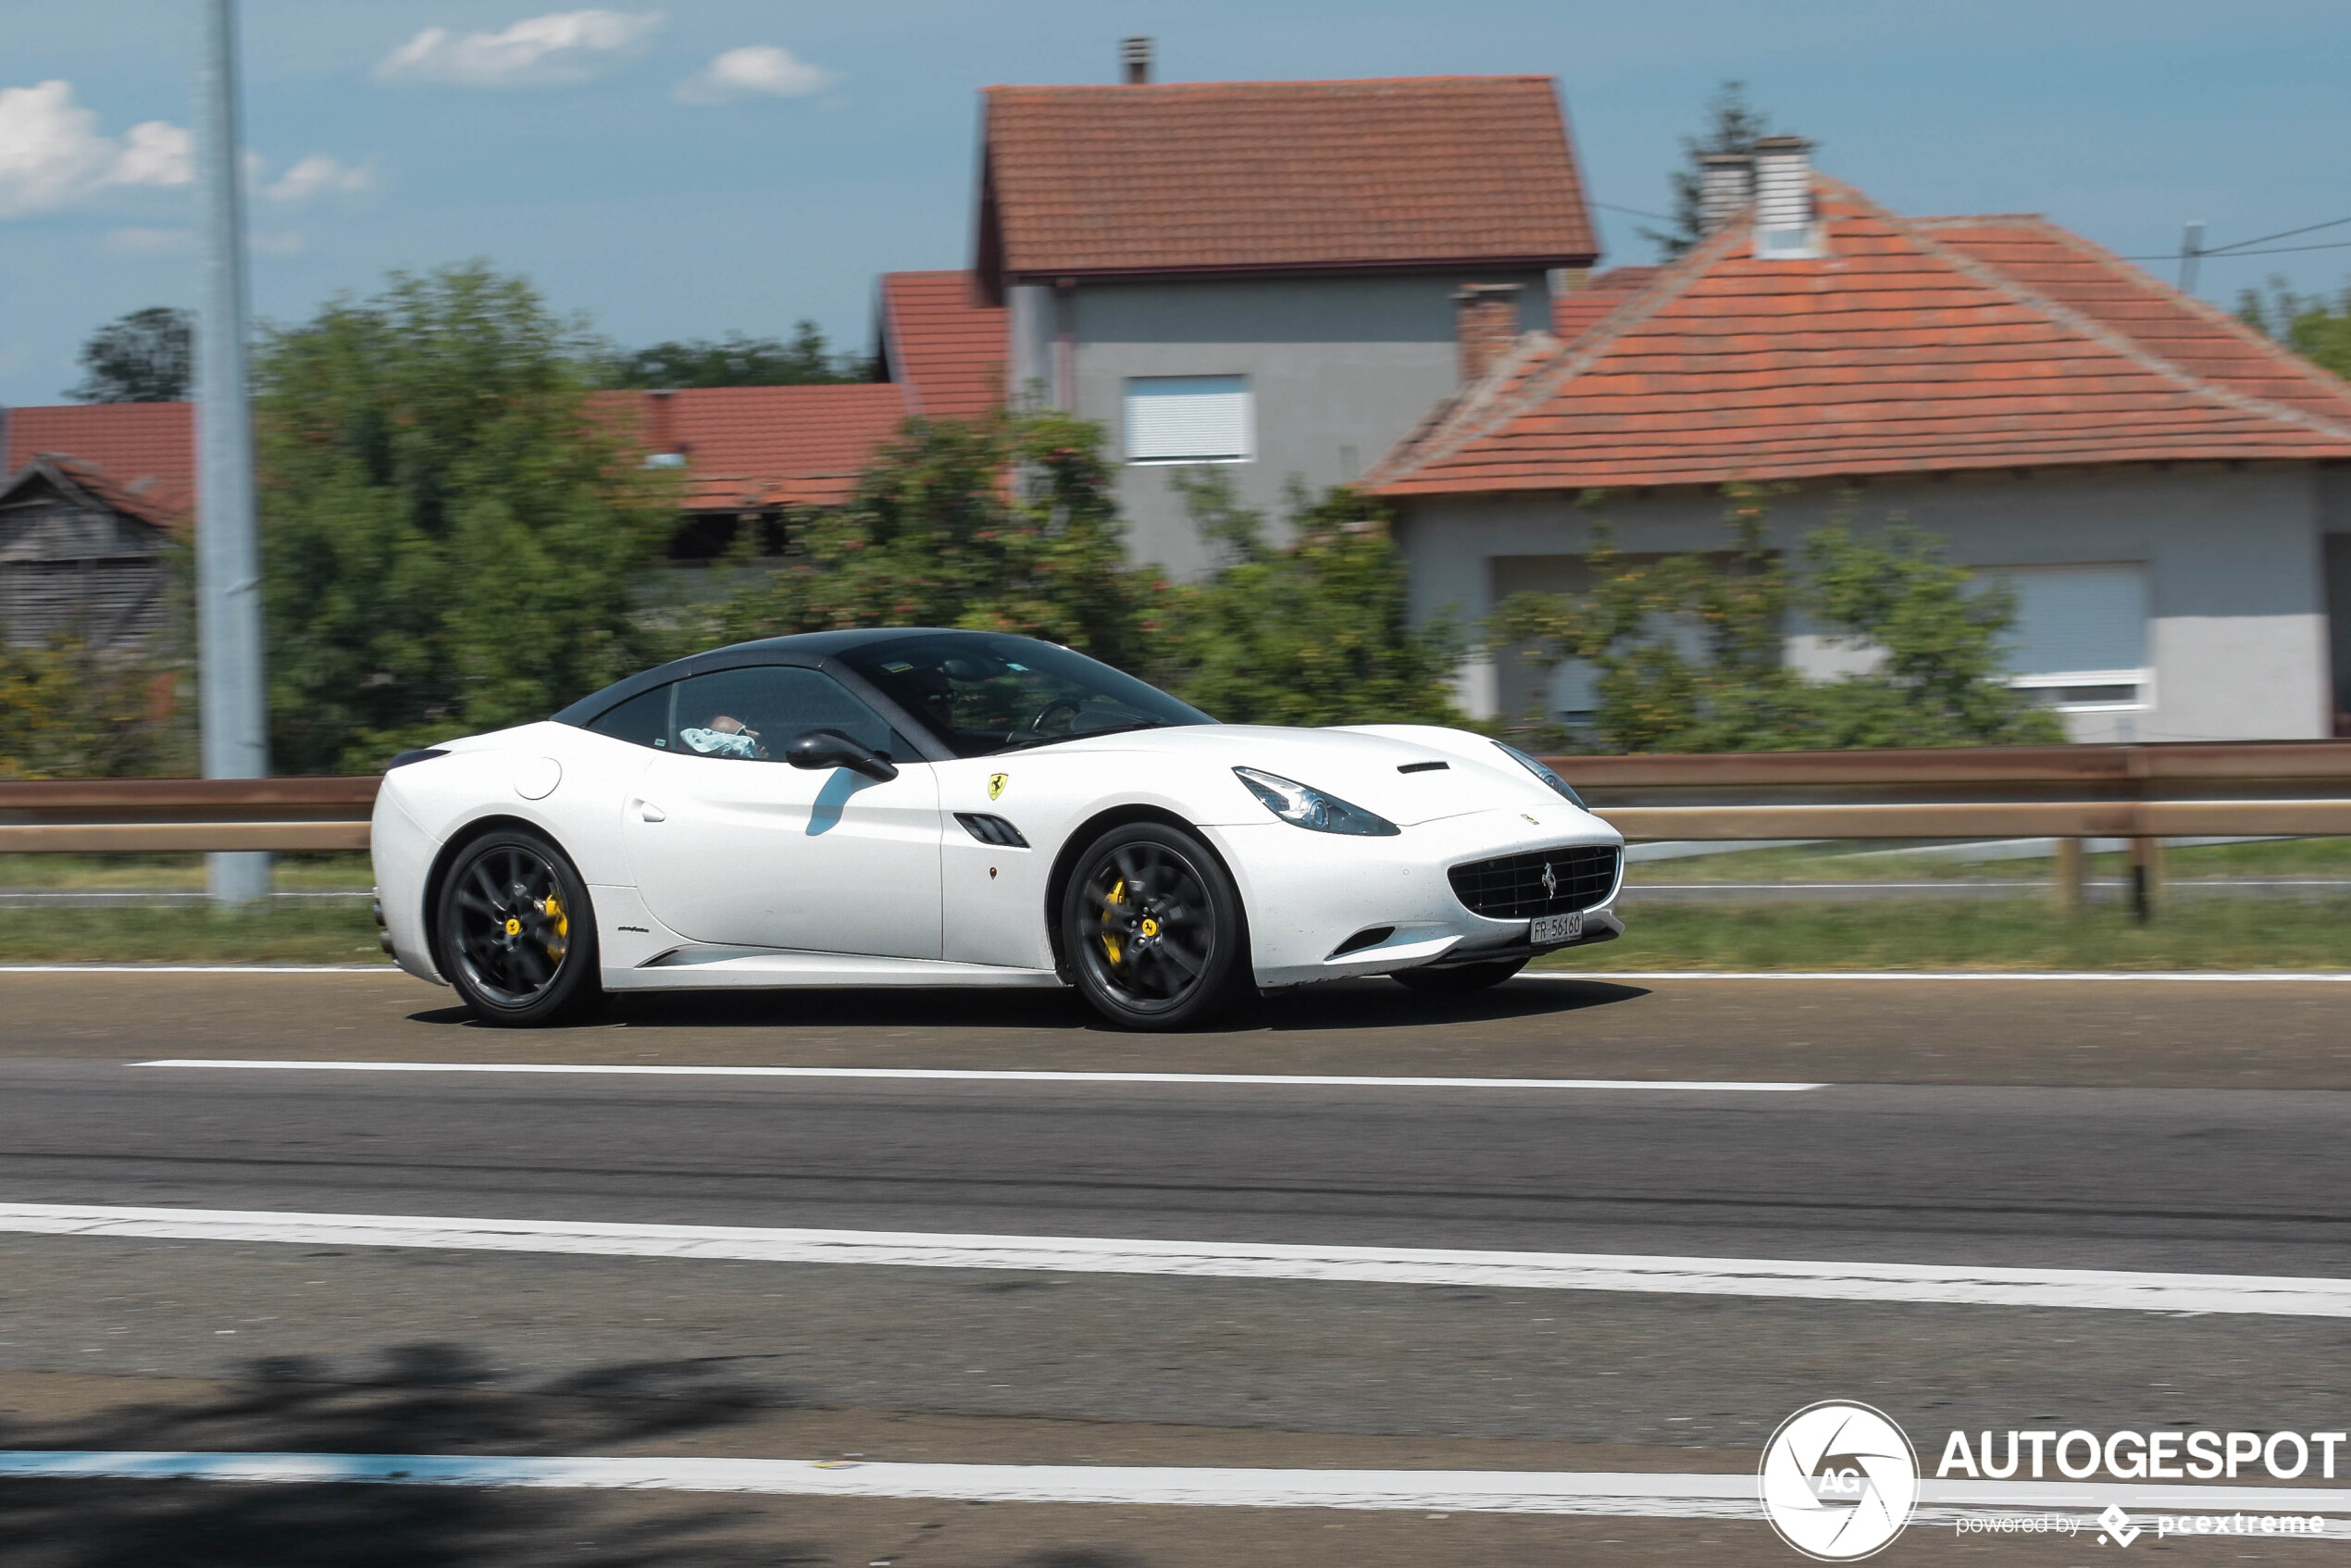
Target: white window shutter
(2076,619)
(1187,420)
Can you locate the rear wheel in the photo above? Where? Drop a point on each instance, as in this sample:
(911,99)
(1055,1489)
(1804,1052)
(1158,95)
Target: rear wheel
(1461,977)
(517,936)
(1153,927)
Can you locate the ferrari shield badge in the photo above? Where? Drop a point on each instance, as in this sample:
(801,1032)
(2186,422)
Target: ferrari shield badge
(996,784)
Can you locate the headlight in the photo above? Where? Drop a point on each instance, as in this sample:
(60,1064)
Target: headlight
(1539,771)
(1304,806)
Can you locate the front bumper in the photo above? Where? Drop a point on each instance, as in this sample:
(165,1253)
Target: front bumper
(1309,894)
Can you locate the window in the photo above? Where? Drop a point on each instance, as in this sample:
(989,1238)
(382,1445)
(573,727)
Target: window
(1189,419)
(751,715)
(981,694)
(2080,642)
(643,720)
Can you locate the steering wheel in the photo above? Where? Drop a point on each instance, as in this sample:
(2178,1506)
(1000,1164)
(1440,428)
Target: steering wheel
(1036,725)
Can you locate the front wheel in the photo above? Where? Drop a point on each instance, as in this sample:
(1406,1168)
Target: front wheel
(1460,979)
(517,936)
(1153,926)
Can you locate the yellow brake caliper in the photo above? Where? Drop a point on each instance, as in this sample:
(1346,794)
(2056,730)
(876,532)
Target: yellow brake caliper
(554,909)
(1118,896)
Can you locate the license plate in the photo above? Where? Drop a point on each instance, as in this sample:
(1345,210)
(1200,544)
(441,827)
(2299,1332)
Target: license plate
(1557,928)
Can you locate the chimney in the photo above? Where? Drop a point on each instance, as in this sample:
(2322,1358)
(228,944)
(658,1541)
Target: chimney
(1725,184)
(1135,55)
(1783,227)
(1484,326)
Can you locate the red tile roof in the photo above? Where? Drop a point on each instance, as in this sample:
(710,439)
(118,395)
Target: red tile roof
(1893,352)
(144,453)
(1428,172)
(944,343)
(1577,309)
(750,447)
(2063,267)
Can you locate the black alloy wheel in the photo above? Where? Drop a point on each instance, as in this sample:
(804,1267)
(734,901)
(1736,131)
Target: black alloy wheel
(1460,979)
(517,936)
(1152,926)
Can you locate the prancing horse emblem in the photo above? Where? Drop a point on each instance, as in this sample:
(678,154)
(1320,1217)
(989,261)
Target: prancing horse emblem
(996,788)
(1550,882)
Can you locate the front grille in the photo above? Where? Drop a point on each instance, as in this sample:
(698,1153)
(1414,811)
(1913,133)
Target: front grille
(1511,887)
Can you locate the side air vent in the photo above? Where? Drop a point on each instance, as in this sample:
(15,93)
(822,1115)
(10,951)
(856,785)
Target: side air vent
(992,830)
(1423,767)
(1370,936)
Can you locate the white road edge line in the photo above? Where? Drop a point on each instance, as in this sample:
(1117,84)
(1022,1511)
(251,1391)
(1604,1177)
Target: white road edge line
(2301,976)
(982,1074)
(1636,1493)
(2280,1295)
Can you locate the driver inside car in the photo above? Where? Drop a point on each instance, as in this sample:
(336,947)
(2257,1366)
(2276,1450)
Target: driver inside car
(726,736)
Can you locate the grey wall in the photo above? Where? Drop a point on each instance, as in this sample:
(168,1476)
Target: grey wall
(2237,632)
(1340,368)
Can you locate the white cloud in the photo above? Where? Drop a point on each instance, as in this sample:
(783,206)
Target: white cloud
(287,243)
(317,175)
(561,46)
(754,71)
(155,154)
(52,154)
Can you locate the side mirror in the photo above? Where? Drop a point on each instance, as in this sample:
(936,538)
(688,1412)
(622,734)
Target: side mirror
(830,748)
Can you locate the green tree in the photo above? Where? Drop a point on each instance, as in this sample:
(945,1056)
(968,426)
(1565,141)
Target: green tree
(451,541)
(69,712)
(1003,525)
(1690,649)
(1317,632)
(737,360)
(1733,125)
(147,357)
(2315,326)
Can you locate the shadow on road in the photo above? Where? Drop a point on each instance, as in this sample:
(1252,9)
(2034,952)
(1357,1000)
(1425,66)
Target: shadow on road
(1365,1005)
(421,1399)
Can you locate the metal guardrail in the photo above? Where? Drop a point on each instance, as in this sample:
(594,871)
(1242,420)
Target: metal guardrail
(2167,791)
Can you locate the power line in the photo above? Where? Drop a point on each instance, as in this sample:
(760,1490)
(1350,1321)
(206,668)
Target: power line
(2280,234)
(2231,255)
(1637,212)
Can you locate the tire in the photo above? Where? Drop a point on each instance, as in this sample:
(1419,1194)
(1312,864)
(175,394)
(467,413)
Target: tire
(1461,979)
(515,932)
(1152,927)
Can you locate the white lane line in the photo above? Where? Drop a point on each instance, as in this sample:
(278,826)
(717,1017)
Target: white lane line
(199,969)
(1634,1493)
(953,1075)
(2281,1296)
(2299,977)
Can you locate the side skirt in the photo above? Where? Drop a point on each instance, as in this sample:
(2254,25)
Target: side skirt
(700,968)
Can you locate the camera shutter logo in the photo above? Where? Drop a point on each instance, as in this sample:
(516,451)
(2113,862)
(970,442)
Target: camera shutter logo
(1838,1481)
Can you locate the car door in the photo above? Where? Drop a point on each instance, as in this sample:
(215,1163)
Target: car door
(732,845)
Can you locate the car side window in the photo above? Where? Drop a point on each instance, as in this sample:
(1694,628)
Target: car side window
(752,715)
(643,720)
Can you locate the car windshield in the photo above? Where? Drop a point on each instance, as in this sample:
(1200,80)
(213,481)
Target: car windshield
(980,693)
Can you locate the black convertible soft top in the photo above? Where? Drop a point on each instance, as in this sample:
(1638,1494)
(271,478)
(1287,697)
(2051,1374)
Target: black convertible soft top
(812,648)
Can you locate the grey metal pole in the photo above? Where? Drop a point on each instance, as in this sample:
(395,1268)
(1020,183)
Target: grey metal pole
(2191,248)
(228,650)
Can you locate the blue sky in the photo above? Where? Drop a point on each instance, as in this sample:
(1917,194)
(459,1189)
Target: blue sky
(736,163)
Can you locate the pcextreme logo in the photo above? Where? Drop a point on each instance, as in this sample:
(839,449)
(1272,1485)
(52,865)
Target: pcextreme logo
(1839,1481)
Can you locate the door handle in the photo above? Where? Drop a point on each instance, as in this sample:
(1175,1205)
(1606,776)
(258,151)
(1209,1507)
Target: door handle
(651,812)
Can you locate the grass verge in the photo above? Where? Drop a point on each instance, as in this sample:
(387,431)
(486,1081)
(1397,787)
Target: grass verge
(1928,933)
(311,931)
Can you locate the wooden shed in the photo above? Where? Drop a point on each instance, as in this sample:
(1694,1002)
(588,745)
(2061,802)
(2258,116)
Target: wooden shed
(81,556)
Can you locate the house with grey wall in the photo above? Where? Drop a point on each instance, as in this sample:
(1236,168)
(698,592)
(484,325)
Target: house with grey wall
(1262,276)
(2167,494)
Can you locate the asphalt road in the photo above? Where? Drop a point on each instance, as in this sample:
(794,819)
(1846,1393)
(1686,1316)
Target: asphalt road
(2160,1126)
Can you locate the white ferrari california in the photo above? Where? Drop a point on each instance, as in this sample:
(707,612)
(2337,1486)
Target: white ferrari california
(959,808)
